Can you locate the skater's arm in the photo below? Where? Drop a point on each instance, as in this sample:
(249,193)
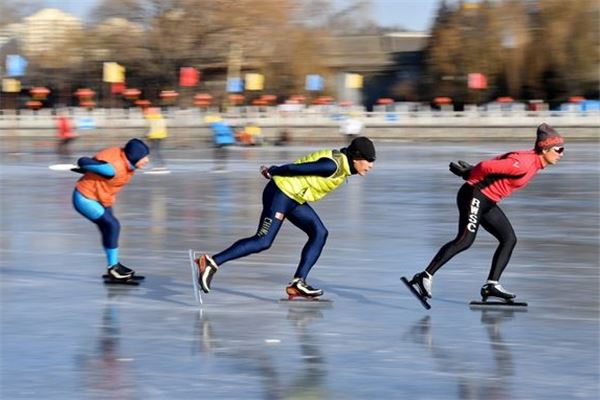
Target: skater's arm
(98,167)
(322,167)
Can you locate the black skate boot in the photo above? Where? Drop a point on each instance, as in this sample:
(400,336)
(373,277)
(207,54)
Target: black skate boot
(422,283)
(420,287)
(298,288)
(119,272)
(494,289)
(207,268)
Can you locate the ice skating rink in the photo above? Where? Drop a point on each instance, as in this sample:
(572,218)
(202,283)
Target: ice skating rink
(64,335)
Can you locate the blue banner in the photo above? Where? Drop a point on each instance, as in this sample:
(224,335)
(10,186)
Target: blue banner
(85,123)
(314,83)
(15,65)
(235,85)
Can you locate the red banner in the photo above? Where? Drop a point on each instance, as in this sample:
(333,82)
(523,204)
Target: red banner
(117,87)
(188,76)
(477,81)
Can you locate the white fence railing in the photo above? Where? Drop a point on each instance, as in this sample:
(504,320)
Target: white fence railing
(271,116)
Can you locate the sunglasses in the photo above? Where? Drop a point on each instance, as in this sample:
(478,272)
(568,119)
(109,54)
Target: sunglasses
(558,150)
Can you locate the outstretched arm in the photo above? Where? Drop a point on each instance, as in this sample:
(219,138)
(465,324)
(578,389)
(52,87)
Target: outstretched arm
(322,167)
(102,168)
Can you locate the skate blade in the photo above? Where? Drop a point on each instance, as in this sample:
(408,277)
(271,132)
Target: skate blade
(62,167)
(115,282)
(135,277)
(193,255)
(304,300)
(498,304)
(157,171)
(410,287)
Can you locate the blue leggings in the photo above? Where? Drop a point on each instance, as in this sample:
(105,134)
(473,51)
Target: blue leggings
(105,220)
(276,207)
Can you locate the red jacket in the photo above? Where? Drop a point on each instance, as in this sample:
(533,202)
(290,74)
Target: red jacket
(65,128)
(499,177)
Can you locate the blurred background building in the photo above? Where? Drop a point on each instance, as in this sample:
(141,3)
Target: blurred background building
(48,31)
(266,52)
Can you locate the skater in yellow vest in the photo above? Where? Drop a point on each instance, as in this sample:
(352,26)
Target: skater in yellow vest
(157,132)
(291,187)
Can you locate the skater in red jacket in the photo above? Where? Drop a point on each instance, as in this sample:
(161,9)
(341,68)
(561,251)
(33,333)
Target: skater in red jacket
(487,183)
(65,133)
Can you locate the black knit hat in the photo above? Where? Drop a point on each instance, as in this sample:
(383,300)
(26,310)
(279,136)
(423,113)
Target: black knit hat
(546,138)
(362,148)
(135,150)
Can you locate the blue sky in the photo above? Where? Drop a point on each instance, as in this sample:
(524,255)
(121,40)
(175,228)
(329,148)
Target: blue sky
(414,15)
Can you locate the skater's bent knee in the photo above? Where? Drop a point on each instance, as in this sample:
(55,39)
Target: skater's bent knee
(511,242)
(322,234)
(319,233)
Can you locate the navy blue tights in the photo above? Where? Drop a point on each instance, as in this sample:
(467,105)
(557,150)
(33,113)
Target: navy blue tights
(276,207)
(105,221)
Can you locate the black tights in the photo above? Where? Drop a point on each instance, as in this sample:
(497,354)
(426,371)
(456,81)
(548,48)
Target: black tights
(475,209)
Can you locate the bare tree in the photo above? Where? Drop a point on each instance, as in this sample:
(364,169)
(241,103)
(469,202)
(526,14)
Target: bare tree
(14,11)
(526,48)
(131,10)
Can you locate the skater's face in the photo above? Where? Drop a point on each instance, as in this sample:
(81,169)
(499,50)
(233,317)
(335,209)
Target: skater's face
(362,166)
(553,154)
(142,163)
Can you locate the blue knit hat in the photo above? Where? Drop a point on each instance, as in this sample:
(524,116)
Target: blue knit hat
(135,150)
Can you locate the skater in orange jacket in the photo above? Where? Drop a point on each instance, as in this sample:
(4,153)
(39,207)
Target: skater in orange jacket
(104,176)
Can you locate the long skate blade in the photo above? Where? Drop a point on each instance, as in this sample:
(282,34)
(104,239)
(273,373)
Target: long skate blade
(302,299)
(410,287)
(194,268)
(157,171)
(135,277)
(504,305)
(62,167)
(115,282)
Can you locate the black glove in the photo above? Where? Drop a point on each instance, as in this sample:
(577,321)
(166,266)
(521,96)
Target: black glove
(264,170)
(79,170)
(461,168)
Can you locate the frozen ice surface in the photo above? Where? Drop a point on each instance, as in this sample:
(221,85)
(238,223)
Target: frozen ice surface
(67,336)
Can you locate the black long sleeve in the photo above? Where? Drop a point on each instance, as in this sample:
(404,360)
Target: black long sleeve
(322,167)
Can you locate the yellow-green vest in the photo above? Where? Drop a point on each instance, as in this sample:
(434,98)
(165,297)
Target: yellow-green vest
(158,126)
(311,187)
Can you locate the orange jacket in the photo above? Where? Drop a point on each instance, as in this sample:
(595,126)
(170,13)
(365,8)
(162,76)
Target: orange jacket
(102,189)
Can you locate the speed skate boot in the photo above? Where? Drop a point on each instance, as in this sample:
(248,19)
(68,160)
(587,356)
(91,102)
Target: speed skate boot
(495,289)
(119,272)
(207,267)
(298,288)
(422,282)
